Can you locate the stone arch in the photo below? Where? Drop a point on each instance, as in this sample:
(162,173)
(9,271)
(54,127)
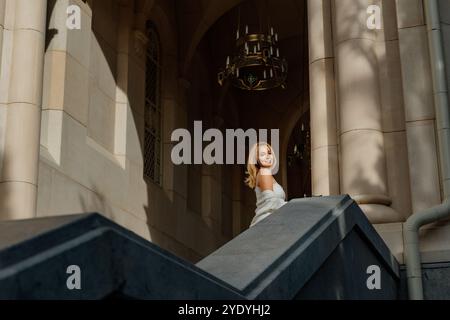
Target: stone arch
(166,27)
(296,110)
(210,15)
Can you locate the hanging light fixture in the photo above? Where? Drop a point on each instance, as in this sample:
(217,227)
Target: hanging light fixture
(256,63)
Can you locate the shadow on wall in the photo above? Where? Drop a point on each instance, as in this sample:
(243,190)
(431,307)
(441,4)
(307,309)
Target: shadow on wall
(379,59)
(417,87)
(160,211)
(50,32)
(168,222)
(361,178)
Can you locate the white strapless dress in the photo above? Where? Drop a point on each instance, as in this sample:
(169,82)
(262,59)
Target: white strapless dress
(267,202)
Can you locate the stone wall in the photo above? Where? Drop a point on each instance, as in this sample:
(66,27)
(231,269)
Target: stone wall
(444,11)
(93,127)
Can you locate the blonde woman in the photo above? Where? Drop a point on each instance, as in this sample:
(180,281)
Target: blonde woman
(270,195)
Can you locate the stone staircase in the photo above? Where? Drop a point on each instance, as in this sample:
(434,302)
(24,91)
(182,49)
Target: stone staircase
(317,248)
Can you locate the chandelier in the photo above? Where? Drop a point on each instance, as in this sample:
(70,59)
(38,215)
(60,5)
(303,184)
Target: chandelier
(257,64)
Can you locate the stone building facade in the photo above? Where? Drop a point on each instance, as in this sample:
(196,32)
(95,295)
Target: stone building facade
(78,108)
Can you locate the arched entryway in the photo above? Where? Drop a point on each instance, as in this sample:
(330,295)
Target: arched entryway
(217,193)
(298,156)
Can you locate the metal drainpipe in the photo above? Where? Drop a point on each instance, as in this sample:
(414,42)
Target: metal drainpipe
(413,224)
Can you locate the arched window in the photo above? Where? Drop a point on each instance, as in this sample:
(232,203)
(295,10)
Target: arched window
(152,112)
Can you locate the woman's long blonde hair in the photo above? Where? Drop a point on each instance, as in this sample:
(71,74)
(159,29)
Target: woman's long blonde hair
(253,164)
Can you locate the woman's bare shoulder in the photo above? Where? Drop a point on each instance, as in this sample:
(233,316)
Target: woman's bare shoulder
(264,181)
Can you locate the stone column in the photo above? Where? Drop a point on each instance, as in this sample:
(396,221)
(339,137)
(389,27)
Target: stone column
(419,108)
(324,143)
(362,153)
(2,26)
(18,178)
(3,80)
(393,111)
